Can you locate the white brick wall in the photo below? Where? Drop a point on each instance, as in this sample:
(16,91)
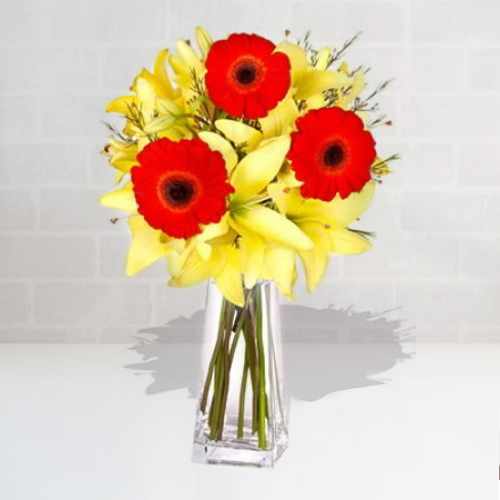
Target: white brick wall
(435,260)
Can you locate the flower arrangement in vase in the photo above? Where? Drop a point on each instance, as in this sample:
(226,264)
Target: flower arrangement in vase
(237,162)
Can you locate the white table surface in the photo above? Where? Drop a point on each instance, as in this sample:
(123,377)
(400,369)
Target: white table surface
(106,422)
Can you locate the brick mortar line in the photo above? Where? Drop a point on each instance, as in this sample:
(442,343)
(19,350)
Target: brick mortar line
(127,282)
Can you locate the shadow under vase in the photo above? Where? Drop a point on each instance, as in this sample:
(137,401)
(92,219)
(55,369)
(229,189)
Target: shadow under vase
(325,351)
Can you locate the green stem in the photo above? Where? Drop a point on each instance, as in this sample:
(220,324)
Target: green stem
(243,391)
(212,418)
(226,372)
(210,371)
(249,332)
(262,438)
(237,331)
(219,378)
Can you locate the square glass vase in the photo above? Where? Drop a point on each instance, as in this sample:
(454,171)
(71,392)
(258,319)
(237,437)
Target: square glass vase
(241,416)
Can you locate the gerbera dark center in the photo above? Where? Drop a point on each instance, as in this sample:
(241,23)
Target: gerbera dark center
(333,155)
(246,74)
(178,192)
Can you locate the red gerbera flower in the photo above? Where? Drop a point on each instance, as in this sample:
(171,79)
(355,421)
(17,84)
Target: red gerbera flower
(245,77)
(180,185)
(331,153)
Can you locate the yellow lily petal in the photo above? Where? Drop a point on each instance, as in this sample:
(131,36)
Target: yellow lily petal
(252,254)
(258,168)
(347,210)
(337,213)
(281,119)
(218,143)
(215,230)
(122,199)
(180,69)
(147,93)
(204,249)
(117,145)
(322,58)
(280,267)
(357,84)
(142,143)
(346,242)
(210,232)
(119,177)
(153,82)
(160,71)
(239,133)
(147,245)
(120,104)
(177,258)
(252,248)
(315,102)
(194,270)
(314,82)
(297,57)
(123,163)
(273,226)
(167,106)
(175,133)
(204,40)
(315,261)
(121,155)
(278,192)
(291,203)
(189,58)
(229,280)
(159,124)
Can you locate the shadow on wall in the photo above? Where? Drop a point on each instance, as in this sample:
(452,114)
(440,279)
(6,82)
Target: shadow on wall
(325,351)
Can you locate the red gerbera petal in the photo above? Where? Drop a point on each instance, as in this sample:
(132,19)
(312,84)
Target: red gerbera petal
(245,77)
(331,153)
(180,185)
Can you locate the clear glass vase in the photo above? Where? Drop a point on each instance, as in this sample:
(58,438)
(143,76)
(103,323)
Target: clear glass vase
(241,416)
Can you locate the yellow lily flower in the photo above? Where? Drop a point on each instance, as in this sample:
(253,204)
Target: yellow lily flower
(195,269)
(250,178)
(322,58)
(279,266)
(212,234)
(204,40)
(357,85)
(121,199)
(223,265)
(228,280)
(147,87)
(148,245)
(121,155)
(189,69)
(265,260)
(311,82)
(240,134)
(325,223)
(280,120)
(252,248)
(154,108)
(336,213)
(257,169)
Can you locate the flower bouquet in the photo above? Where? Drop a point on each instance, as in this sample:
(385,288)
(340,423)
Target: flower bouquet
(235,162)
